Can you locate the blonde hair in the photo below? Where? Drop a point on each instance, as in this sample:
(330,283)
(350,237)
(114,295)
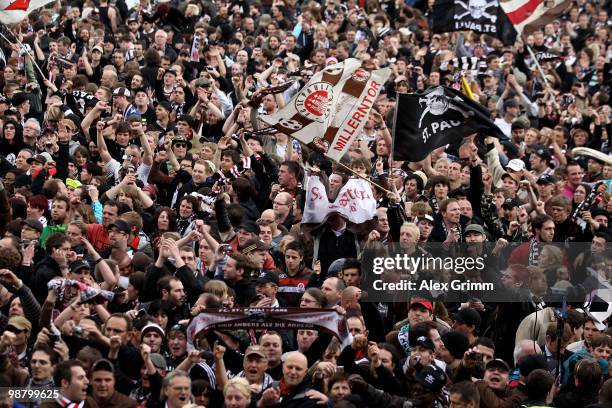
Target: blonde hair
(239,384)
(412,228)
(216,287)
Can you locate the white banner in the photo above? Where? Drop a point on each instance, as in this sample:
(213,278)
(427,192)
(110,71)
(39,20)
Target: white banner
(329,112)
(355,201)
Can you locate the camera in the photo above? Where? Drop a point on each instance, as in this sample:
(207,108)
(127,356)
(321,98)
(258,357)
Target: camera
(77,331)
(141,313)
(53,337)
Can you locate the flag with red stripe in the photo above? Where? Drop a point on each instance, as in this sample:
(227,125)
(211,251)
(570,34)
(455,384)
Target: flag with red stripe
(13,11)
(530,15)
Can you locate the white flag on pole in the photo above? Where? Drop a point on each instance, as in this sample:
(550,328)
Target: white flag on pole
(14,11)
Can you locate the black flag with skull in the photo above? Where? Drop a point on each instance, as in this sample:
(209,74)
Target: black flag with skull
(439,116)
(482,16)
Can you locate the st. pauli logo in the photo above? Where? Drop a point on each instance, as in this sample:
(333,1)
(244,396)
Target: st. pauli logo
(314,102)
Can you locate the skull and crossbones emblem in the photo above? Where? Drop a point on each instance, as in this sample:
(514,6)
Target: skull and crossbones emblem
(437,103)
(477,9)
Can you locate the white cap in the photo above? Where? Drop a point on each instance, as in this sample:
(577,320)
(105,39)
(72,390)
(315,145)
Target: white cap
(516,165)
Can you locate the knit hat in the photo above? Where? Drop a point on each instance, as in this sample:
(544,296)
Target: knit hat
(456,343)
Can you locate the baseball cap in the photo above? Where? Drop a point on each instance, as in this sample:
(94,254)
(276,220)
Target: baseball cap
(431,377)
(121,91)
(77,266)
(425,217)
(19,323)
(33,223)
(599,211)
(425,342)
(267,277)
(103,365)
(497,363)
(98,48)
(423,302)
(159,361)
(468,316)
(542,152)
(250,226)
(255,350)
(516,165)
(545,179)
(152,327)
(19,98)
(510,202)
(166,105)
(177,328)
(474,228)
(39,158)
(121,226)
(255,244)
(182,139)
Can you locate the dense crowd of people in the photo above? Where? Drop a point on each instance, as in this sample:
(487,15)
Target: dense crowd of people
(140,189)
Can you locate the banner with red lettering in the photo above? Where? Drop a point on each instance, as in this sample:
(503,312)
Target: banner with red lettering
(355,201)
(329,112)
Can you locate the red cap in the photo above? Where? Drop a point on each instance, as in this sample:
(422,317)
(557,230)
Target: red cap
(420,301)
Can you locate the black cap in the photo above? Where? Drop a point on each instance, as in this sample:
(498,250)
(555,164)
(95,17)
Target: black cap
(103,365)
(497,363)
(177,327)
(546,179)
(166,105)
(456,343)
(250,226)
(599,211)
(425,342)
(78,265)
(267,277)
(431,377)
(121,226)
(510,202)
(542,152)
(33,223)
(182,139)
(39,158)
(469,317)
(19,98)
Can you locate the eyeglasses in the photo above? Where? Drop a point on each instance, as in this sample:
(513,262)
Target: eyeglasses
(14,330)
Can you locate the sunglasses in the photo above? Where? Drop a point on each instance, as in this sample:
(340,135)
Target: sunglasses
(180,144)
(14,330)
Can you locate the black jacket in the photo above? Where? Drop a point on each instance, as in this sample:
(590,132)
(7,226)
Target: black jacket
(297,398)
(44,271)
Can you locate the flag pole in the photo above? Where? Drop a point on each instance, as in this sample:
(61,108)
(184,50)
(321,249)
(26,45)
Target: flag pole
(536,63)
(24,48)
(363,178)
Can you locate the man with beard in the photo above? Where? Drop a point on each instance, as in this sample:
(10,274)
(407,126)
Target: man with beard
(103,387)
(236,274)
(41,366)
(528,253)
(59,216)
